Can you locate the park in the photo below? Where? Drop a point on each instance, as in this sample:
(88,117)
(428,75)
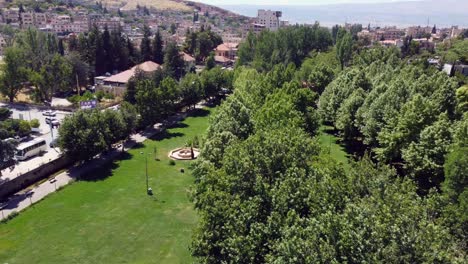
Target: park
(107,217)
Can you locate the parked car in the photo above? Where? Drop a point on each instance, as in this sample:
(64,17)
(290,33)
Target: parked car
(52,121)
(55,123)
(49,113)
(49,120)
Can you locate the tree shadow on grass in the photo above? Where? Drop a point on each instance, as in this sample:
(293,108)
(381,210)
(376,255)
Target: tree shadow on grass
(353,149)
(179,125)
(138,145)
(166,135)
(199,113)
(99,173)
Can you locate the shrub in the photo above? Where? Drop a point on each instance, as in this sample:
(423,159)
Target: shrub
(24,128)
(9,217)
(34,123)
(172,162)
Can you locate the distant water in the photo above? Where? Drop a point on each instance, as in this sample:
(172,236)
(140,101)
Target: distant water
(399,14)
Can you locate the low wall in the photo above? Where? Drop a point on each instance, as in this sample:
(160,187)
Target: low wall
(19,183)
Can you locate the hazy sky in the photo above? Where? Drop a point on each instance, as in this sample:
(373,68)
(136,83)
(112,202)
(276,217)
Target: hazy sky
(290,2)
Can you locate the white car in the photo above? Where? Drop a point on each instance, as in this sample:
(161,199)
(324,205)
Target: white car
(49,113)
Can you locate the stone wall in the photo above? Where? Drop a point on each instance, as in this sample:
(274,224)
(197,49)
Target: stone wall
(19,183)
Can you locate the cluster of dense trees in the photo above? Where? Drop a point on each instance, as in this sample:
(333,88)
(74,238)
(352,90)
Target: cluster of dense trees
(42,60)
(90,132)
(38,58)
(151,49)
(159,95)
(267,193)
(286,46)
(201,43)
(7,149)
(402,113)
(105,51)
(149,99)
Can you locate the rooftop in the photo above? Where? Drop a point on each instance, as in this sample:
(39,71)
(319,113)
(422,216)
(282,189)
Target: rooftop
(123,77)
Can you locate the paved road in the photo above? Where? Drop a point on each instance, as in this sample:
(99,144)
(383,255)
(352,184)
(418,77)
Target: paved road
(28,113)
(26,198)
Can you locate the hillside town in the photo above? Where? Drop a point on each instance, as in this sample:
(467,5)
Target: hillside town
(67,21)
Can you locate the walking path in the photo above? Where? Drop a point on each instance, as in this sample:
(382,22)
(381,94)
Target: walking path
(26,198)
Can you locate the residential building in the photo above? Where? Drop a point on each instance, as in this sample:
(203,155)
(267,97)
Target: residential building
(228,50)
(455,32)
(117,84)
(425,44)
(418,32)
(270,19)
(11,15)
(223,61)
(254,28)
(389,43)
(112,24)
(27,19)
(231,37)
(40,19)
(187,58)
(390,33)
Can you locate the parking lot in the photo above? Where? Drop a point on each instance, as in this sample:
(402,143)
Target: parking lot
(45,131)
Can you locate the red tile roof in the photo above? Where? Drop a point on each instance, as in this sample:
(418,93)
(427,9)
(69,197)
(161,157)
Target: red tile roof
(123,77)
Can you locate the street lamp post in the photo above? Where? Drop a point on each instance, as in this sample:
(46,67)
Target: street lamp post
(148,189)
(147,184)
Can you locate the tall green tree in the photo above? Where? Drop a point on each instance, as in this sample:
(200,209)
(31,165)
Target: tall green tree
(173,63)
(79,135)
(344,47)
(14,73)
(191,89)
(158,52)
(145,46)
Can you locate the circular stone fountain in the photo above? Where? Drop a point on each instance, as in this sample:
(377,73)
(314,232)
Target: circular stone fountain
(186,153)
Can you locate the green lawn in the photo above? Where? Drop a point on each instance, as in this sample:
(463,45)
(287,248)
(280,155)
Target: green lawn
(330,144)
(109,218)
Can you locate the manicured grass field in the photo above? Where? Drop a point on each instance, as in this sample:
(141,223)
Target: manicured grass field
(330,144)
(108,218)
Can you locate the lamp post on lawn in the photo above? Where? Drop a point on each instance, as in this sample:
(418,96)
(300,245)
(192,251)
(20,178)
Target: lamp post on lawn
(148,189)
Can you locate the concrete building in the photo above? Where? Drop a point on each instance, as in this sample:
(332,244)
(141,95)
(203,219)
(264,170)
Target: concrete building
(270,19)
(40,19)
(228,50)
(113,23)
(11,15)
(254,28)
(390,33)
(27,19)
(418,32)
(117,83)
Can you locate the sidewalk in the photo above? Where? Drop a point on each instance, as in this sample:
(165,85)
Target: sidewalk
(26,198)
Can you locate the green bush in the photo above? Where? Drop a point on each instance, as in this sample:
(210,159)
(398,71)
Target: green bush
(24,128)
(85,97)
(100,95)
(34,123)
(9,217)
(172,162)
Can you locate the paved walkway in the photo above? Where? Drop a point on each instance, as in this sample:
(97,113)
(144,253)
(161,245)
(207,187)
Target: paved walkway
(26,198)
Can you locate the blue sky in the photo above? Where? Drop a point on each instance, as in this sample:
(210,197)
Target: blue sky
(290,2)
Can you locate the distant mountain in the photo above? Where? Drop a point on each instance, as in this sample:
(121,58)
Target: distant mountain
(443,13)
